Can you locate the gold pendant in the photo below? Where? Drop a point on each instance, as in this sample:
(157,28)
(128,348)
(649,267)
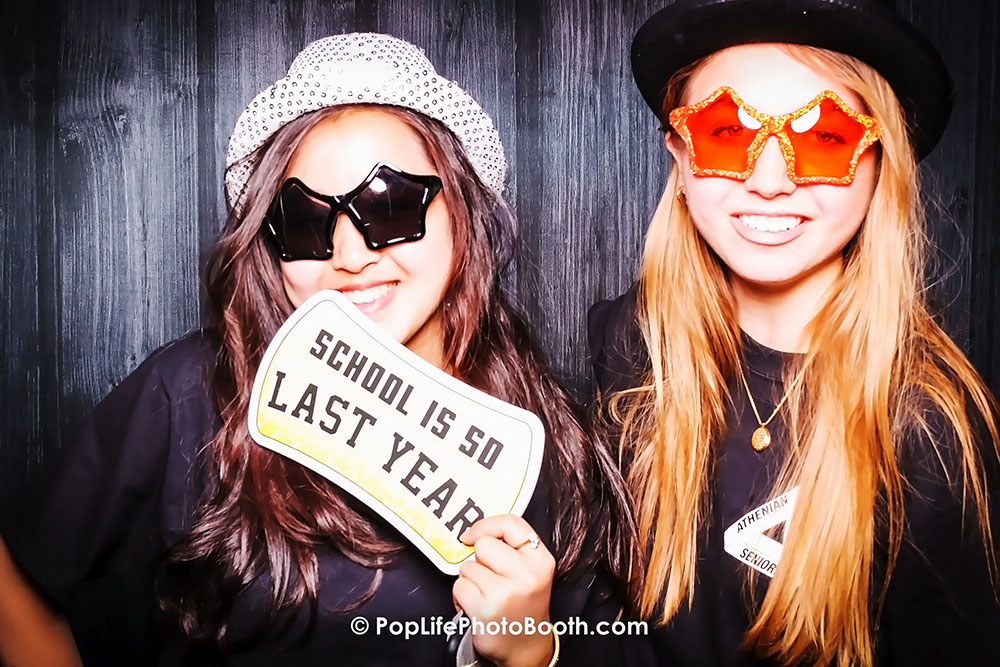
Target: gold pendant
(761,439)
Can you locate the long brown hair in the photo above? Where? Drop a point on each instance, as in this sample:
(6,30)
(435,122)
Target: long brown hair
(264,514)
(846,436)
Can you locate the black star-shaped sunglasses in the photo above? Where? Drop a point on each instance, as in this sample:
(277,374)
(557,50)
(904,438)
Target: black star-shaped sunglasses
(387,208)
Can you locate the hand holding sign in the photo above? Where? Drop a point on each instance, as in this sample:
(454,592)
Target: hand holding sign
(430,454)
(510,579)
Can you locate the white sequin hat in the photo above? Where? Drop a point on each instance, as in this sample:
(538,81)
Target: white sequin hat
(363,68)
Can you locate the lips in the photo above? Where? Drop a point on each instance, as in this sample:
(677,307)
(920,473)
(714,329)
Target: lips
(769,230)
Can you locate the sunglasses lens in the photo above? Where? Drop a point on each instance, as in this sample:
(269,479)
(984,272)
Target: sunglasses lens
(300,224)
(825,140)
(392,208)
(719,136)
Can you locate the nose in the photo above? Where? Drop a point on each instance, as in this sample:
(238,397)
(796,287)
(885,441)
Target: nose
(349,250)
(770,175)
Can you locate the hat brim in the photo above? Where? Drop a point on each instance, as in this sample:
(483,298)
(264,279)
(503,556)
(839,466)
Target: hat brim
(684,32)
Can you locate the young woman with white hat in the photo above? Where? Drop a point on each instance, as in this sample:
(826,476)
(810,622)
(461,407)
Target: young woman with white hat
(366,172)
(813,460)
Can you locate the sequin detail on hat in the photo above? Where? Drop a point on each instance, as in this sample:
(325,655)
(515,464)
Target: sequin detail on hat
(363,68)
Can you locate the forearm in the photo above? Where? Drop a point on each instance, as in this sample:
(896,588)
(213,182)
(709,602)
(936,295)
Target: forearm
(31,633)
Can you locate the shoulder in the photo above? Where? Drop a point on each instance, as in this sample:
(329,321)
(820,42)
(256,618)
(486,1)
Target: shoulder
(942,458)
(611,319)
(617,350)
(126,478)
(171,386)
(930,439)
(942,605)
(198,349)
(181,365)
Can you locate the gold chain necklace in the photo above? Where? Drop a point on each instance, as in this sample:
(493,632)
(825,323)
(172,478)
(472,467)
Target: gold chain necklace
(761,438)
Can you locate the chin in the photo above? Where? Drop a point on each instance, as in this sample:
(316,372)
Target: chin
(771,280)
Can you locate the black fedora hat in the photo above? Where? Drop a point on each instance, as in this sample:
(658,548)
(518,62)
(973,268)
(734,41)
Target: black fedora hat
(869,30)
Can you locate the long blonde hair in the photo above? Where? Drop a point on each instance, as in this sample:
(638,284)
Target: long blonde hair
(845,434)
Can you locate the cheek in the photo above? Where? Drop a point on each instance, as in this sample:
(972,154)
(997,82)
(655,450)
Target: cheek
(432,256)
(846,207)
(703,195)
(302,279)
(424,268)
(427,261)
(705,198)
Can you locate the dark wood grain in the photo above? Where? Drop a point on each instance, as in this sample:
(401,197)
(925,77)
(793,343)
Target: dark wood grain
(21,441)
(984,278)
(595,167)
(961,176)
(948,173)
(124,195)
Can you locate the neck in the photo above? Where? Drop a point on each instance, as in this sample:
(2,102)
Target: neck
(777,315)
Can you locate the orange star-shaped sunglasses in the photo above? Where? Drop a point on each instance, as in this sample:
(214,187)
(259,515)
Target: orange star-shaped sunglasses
(821,142)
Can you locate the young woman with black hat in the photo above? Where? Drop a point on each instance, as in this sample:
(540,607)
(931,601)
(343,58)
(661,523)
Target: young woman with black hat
(813,460)
(258,560)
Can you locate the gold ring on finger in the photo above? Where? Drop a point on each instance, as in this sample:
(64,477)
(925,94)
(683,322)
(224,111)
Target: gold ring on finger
(533,540)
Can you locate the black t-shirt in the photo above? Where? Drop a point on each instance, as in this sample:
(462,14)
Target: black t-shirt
(129,484)
(940,607)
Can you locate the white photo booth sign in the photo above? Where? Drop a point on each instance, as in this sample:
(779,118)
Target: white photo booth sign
(427,452)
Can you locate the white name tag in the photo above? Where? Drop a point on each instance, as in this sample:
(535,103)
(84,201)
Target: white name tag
(427,452)
(745,540)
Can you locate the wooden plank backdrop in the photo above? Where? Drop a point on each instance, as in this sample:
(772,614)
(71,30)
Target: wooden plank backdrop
(114,118)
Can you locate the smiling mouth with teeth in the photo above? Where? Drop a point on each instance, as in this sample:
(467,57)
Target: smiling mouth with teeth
(368,295)
(771,223)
